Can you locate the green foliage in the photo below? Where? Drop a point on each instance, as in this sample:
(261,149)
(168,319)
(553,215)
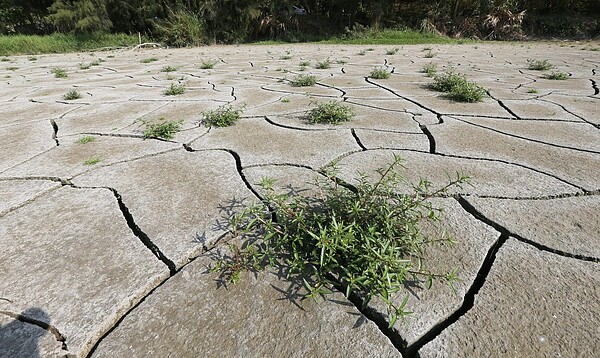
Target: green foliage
(430,54)
(174,90)
(556,75)
(12,68)
(323,65)
(83,16)
(224,116)
(92,161)
(539,65)
(457,87)
(164,129)
(304,63)
(366,242)
(182,28)
(303,81)
(168,69)
(207,65)
(331,112)
(85,139)
(149,60)
(532,90)
(392,51)
(60,72)
(71,95)
(429,69)
(380,73)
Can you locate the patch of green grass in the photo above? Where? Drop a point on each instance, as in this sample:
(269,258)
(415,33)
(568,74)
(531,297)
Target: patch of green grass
(539,65)
(323,65)
(168,69)
(223,116)
(32,58)
(430,54)
(85,66)
(149,60)
(392,51)
(380,73)
(362,53)
(285,57)
(532,90)
(556,75)
(207,65)
(12,68)
(164,129)
(285,100)
(174,90)
(429,69)
(60,72)
(4,59)
(303,81)
(71,95)
(457,87)
(85,139)
(61,43)
(92,161)
(331,112)
(304,63)
(366,242)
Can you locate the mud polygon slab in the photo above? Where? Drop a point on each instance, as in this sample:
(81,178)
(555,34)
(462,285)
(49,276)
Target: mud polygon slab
(545,305)
(257,317)
(380,139)
(25,141)
(20,339)
(75,248)
(258,142)
(487,178)
(571,165)
(18,192)
(566,224)
(181,200)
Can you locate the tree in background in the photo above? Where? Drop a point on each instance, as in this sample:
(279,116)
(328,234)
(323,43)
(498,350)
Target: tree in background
(82,17)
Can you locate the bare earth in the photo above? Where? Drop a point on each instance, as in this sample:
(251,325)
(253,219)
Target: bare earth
(106,245)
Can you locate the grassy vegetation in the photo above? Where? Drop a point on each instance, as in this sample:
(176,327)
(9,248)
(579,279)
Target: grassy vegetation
(380,73)
(174,90)
(303,81)
(393,37)
(85,139)
(207,65)
(323,65)
(364,242)
(168,69)
(331,112)
(149,60)
(457,87)
(165,129)
(556,75)
(92,161)
(429,69)
(539,65)
(71,95)
(223,116)
(60,43)
(59,72)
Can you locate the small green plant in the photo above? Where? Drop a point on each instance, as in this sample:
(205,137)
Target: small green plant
(92,161)
(556,75)
(164,129)
(85,66)
(323,65)
(32,58)
(285,57)
(331,112)
(539,65)
(207,65)
(342,62)
(532,90)
(149,60)
(5,59)
(430,54)
(168,69)
(457,87)
(365,242)
(380,73)
(285,100)
(60,72)
(223,116)
(174,90)
(304,63)
(71,95)
(303,81)
(12,68)
(362,53)
(392,51)
(429,69)
(85,139)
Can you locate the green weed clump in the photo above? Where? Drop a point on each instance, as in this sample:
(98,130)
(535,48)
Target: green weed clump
(429,69)
(149,60)
(457,87)
(332,112)
(60,72)
(71,95)
(380,73)
(556,75)
(174,90)
(223,116)
(365,241)
(165,129)
(168,69)
(392,51)
(92,161)
(539,65)
(207,65)
(303,81)
(323,65)
(85,139)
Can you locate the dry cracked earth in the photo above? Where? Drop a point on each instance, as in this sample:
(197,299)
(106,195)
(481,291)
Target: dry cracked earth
(106,241)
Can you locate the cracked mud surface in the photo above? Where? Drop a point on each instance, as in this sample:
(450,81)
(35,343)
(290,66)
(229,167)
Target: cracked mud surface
(106,243)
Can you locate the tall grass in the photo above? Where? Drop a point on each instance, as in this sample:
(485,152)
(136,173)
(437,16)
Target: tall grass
(61,43)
